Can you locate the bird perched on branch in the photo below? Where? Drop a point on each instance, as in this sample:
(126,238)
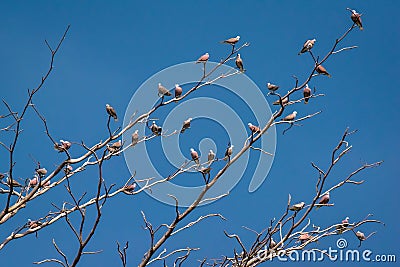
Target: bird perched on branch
(228,152)
(253,128)
(195,156)
(307,46)
(203,58)
(41,171)
(62,146)
(239,63)
(211,156)
(231,41)
(162,91)
(272,87)
(360,235)
(178,91)
(324,200)
(321,70)
(156,129)
(356,18)
(306,94)
(128,189)
(111,112)
(297,207)
(135,137)
(186,125)
(290,117)
(13,182)
(115,147)
(285,100)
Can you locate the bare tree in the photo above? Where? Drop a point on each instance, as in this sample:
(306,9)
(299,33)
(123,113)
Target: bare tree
(293,231)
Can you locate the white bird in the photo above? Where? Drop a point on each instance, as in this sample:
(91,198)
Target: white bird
(211,156)
(307,46)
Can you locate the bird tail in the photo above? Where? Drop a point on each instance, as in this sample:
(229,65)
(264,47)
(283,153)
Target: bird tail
(330,76)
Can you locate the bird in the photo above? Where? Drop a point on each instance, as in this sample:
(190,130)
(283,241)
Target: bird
(285,100)
(231,41)
(290,117)
(195,156)
(228,152)
(307,46)
(239,63)
(211,156)
(203,58)
(324,200)
(68,169)
(111,112)
(13,182)
(34,224)
(115,147)
(360,235)
(62,146)
(135,137)
(306,94)
(162,91)
(128,189)
(272,87)
(41,171)
(297,207)
(33,181)
(356,18)
(1,175)
(321,70)
(205,170)
(345,222)
(186,125)
(156,129)
(178,91)
(253,128)
(304,237)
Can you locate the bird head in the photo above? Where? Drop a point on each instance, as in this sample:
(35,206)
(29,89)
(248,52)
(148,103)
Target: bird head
(249,124)
(347,218)
(107,105)
(189,119)
(238,37)
(295,113)
(176,85)
(206,54)
(268,84)
(154,122)
(211,151)
(191,149)
(314,40)
(136,131)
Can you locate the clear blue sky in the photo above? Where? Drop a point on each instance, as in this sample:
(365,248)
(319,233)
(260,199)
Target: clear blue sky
(112,48)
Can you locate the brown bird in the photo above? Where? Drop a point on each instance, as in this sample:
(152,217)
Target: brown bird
(307,46)
(162,91)
(324,200)
(284,101)
(111,112)
(195,156)
(297,207)
(178,91)
(13,182)
(34,224)
(211,156)
(272,87)
(272,243)
(290,117)
(345,222)
(253,128)
(231,41)
(68,169)
(321,70)
(42,172)
(115,147)
(356,18)
(239,63)
(135,138)
(128,189)
(186,125)
(204,58)
(306,94)
(304,237)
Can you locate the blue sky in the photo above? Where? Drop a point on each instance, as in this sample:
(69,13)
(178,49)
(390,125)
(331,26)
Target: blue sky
(112,48)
